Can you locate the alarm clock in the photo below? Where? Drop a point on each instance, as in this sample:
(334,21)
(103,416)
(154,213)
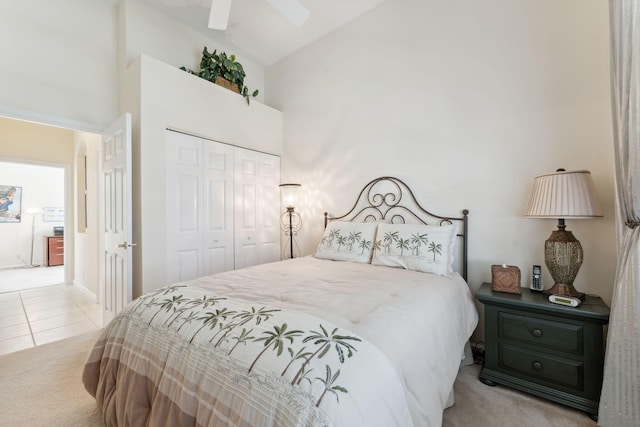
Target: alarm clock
(562,300)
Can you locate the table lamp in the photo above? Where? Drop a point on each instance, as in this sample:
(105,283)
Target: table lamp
(562,195)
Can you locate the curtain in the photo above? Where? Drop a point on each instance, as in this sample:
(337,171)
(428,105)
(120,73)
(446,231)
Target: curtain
(620,398)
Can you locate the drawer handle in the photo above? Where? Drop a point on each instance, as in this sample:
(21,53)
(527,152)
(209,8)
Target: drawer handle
(536,333)
(537,366)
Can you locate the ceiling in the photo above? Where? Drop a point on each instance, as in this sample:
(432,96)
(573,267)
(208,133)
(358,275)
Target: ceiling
(259,31)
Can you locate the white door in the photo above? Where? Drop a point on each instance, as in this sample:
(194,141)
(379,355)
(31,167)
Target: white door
(199,207)
(257,205)
(245,212)
(184,220)
(217,211)
(223,206)
(269,208)
(116,262)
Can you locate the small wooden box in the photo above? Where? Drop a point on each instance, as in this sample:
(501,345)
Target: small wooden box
(505,278)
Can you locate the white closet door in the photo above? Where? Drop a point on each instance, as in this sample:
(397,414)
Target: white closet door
(184,218)
(218,208)
(257,206)
(269,208)
(200,207)
(223,206)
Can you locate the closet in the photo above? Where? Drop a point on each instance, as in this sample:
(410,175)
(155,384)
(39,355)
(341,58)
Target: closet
(223,207)
(194,210)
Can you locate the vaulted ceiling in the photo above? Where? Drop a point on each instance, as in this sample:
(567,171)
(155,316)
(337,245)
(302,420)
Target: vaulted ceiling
(260,31)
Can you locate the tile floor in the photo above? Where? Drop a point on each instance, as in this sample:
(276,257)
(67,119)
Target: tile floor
(37,316)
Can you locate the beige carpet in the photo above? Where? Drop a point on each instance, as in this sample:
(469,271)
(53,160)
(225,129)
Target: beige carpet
(41,387)
(480,405)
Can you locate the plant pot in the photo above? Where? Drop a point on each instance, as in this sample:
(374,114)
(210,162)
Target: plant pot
(221,81)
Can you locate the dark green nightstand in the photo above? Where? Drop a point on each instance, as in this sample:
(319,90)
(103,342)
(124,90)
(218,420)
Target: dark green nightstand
(545,349)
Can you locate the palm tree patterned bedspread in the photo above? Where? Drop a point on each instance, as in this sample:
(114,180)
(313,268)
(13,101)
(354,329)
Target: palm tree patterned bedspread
(212,356)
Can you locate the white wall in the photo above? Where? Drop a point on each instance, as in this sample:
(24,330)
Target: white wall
(86,271)
(467,102)
(58,61)
(42,186)
(62,60)
(163,97)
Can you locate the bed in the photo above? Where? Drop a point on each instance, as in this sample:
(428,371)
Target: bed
(368,331)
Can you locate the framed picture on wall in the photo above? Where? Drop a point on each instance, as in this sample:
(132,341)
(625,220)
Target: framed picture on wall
(53,214)
(10,203)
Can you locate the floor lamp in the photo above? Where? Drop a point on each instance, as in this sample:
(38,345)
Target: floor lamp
(290,221)
(33,212)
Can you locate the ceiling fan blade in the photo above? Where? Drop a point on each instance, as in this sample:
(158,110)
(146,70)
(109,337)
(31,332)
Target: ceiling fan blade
(293,10)
(219,14)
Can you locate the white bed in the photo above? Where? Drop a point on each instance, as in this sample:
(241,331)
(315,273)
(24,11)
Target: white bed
(302,342)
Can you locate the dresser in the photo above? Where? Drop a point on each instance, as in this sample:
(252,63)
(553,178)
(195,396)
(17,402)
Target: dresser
(53,250)
(549,350)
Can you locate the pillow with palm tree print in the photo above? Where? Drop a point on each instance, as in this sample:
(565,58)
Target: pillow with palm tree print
(347,241)
(415,247)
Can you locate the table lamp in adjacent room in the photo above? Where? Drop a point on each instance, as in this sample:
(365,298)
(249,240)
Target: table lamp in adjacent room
(290,221)
(563,195)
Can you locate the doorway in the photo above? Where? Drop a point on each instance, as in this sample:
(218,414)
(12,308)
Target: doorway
(75,152)
(34,316)
(31,225)
(37,305)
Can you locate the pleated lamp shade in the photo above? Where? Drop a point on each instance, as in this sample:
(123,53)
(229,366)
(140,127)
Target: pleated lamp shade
(563,195)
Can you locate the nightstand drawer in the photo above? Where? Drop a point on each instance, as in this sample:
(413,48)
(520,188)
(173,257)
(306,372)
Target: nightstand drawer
(539,366)
(566,337)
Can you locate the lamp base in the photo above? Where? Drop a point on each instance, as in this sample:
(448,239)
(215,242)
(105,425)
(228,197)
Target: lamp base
(565,291)
(563,257)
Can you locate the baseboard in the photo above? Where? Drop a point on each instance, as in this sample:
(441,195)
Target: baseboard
(12,267)
(84,290)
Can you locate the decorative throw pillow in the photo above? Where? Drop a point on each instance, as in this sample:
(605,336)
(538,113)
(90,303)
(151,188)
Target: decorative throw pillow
(348,241)
(415,247)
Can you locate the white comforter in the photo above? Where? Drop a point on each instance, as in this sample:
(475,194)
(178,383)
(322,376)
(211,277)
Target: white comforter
(397,337)
(419,321)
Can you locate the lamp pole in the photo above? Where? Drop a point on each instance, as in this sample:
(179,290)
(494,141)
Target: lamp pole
(33,212)
(290,211)
(33,230)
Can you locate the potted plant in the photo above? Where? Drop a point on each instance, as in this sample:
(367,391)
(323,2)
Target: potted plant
(223,70)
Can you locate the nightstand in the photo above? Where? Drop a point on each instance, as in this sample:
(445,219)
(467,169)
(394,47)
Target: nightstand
(545,349)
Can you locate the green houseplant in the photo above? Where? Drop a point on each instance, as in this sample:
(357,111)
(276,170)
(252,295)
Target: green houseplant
(214,66)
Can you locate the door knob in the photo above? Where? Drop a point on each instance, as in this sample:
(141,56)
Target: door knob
(125,245)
